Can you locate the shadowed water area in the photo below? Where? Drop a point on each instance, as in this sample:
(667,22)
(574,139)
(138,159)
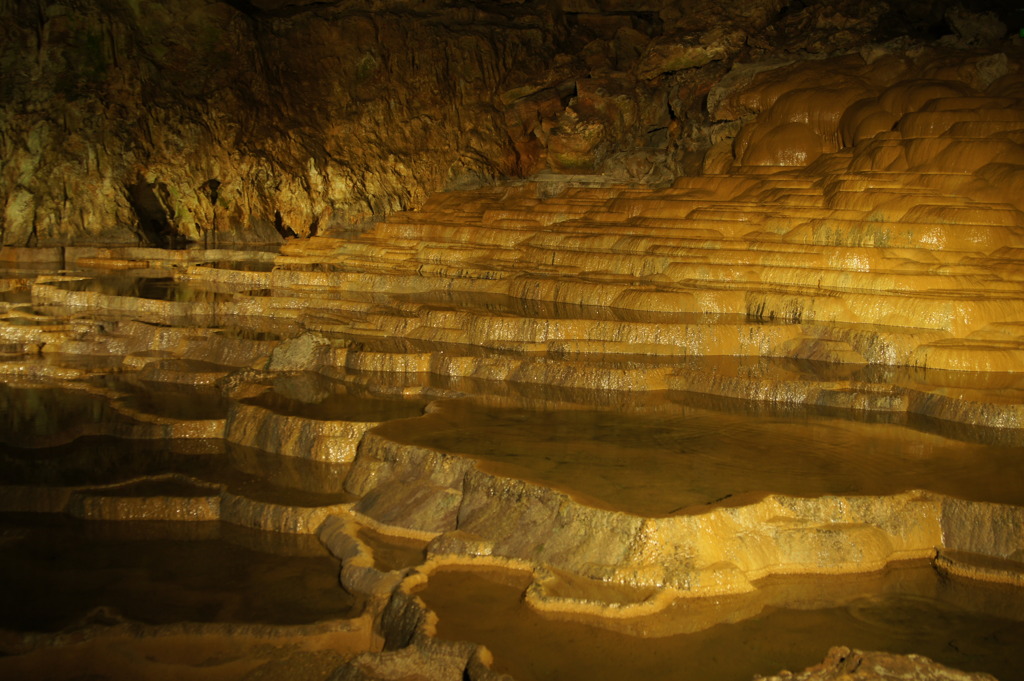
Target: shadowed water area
(338,407)
(98,461)
(177,401)
(44,414)
(152,288)
(58,572)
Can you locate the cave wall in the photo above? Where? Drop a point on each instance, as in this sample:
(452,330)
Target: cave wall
(194,120)
(126,121)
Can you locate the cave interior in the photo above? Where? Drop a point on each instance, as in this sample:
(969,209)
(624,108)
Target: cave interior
(512,340)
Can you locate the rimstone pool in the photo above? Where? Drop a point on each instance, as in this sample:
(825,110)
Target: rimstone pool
(556,431)
(304,500)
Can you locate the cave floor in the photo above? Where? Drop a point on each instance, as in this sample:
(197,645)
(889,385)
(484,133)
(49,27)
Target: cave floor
(510,429)
(172,474)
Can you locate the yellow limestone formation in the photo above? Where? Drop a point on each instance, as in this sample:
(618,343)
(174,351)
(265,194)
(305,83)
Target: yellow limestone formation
(809,361)
(896,246)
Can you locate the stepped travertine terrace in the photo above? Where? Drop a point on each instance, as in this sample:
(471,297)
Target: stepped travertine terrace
(655,413)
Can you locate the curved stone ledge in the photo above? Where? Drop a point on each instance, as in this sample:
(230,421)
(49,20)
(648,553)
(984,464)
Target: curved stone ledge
(74,254)
(46,293)
(314,439)
(717,551)
(261,515)
(981,568)
(360,573)
(87,344)
(92,507)
(554,591)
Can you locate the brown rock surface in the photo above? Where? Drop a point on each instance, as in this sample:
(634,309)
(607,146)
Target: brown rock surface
(203,122)
(246,122)
(631,383)
(844,664)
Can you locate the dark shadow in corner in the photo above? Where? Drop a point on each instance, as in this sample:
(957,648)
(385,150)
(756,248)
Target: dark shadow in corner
(284,230)
(155,228)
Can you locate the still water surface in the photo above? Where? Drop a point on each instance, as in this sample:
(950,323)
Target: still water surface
(906,609)
(684,458)
(57,572)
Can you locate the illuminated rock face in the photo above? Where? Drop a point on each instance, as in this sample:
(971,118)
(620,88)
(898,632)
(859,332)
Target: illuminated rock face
(200,122)
(900,250)
(807,361)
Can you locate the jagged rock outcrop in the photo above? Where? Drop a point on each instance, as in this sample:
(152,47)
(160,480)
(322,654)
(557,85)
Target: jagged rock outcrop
(197,121)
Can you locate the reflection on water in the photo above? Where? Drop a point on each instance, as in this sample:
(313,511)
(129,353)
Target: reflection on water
(41,416)
(36,415)
(27,321)
(255,474)
(242,265)
(903,610)
(162,486)
(151,288)
(392,553)
(505,305)
(172,400)
(56,572)
(16,296)
(339,407)
(247,334)
(58,360)
(670,462)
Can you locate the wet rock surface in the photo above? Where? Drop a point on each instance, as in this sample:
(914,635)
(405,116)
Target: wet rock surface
(612,506)
(843,663)
(714,337)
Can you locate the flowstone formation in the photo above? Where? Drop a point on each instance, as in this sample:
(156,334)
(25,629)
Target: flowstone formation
(563,426)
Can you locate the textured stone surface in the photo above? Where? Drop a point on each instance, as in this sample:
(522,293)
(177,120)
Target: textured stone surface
(211,122)
(776,211)
(846,664)
(198,121)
